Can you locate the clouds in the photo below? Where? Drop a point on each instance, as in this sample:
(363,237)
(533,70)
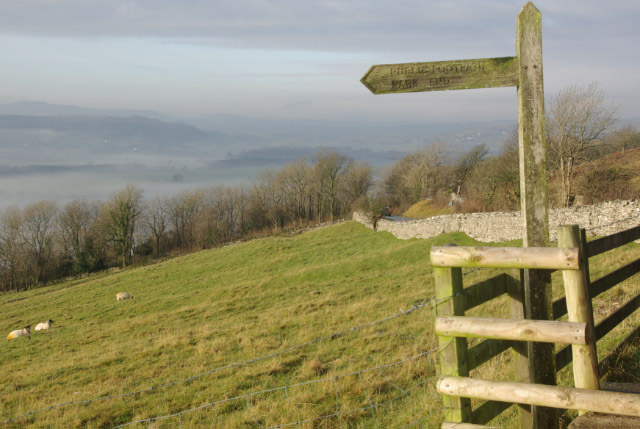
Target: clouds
(263,56)
(275,24)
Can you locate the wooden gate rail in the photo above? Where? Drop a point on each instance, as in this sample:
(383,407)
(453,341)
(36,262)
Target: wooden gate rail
(599,401)
(572,257)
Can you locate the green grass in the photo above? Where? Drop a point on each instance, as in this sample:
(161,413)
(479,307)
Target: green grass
(424,209)
(223,306)
(216,307)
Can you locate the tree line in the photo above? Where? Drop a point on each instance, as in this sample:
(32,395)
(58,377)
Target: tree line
(44,241)
(579,130)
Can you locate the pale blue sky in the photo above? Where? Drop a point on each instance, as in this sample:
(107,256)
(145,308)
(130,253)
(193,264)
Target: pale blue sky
(299,59)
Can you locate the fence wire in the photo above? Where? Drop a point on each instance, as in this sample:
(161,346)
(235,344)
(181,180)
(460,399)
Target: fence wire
(423,304)
(306,383)
(593,228)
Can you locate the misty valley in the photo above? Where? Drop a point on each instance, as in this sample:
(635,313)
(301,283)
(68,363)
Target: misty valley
(62,153)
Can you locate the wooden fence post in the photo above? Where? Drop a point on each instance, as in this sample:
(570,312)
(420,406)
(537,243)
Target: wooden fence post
(579,309)
(453,351)
(519,349)
(534,201)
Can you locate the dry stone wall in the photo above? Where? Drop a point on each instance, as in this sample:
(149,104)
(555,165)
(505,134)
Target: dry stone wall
(599,219)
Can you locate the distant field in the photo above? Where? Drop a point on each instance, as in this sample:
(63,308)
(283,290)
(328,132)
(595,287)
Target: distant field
(235,320)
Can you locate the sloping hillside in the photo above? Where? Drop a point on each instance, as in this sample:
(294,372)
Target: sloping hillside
(219,307)
(324,329)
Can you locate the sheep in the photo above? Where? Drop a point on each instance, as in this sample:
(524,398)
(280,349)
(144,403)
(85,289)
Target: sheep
(44,325)
(24,332)
(123,295)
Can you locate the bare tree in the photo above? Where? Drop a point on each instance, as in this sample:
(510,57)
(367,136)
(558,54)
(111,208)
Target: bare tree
(183,213)
(76,220)
(296,180)
(329,169)
(578,118)
(156,221)
(423,172)
(11,246)
(466,163)
(122,213)
(38,231)
(357,183)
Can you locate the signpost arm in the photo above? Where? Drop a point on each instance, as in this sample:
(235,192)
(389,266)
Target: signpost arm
(534,200)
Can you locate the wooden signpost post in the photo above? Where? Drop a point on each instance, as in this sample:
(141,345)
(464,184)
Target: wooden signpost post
(525,72)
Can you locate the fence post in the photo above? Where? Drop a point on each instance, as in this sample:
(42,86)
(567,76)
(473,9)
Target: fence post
(515,291)
(579,309)
(453,351)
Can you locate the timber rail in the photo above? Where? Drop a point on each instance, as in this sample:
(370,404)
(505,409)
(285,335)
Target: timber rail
(578,333)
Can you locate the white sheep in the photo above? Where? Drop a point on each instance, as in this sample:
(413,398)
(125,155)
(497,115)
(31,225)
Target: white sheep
(123,295)
(44,325)
(24,332)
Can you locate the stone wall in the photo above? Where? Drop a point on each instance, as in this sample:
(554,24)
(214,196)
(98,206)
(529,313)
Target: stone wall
(598,219)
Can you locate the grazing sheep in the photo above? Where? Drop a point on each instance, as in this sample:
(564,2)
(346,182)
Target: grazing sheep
(123,295)
(25,332)
(44,325)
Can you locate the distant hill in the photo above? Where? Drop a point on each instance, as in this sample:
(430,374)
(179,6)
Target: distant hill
(279,155)
(39,108)
(73,138)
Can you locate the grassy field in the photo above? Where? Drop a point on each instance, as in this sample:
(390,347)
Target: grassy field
(234,321)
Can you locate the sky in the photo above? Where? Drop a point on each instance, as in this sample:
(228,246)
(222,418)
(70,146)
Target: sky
(300,59)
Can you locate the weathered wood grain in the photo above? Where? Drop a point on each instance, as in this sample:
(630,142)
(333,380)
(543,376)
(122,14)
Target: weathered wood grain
(625,404)
(547,331)
(442,75)
(549,258)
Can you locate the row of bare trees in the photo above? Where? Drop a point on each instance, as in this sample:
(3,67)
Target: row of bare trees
(44,242)
(579,128)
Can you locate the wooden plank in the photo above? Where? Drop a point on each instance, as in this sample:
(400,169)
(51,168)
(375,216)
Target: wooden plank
(442,75)
(612,241)
(488,411)
(599,401)
(548,258)
(453,350)
(614,319)
(485,350)
(608,281)
(534,200)
(484,291)
(546,331)
(610,360)
(585,359)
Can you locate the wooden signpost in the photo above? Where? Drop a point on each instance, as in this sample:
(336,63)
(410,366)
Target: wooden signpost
(525,72)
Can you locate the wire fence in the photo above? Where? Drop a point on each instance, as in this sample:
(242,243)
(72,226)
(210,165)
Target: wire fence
(426,303)
(402,312)
(371,406)
(597,227)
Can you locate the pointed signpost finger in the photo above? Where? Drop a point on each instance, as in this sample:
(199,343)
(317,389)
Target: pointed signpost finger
(442,75)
